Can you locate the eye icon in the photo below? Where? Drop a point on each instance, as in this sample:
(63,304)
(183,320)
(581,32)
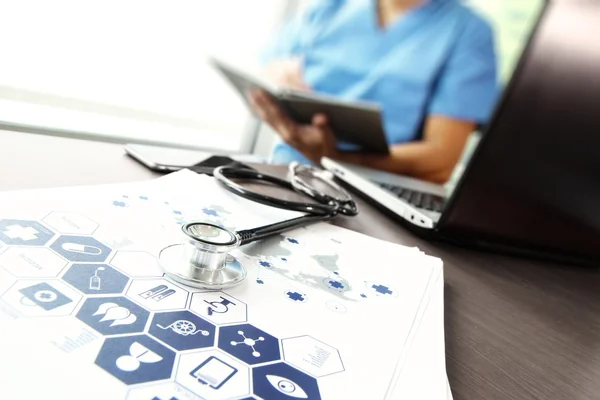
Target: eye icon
(287,387)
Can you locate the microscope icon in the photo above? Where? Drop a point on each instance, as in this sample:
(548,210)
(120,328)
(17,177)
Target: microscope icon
(219,307)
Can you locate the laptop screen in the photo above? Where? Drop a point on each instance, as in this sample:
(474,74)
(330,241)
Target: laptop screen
(534,180)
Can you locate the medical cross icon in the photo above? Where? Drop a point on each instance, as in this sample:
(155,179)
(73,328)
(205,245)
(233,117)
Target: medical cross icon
(336,284)
(24,233)
(382,289)
(46,296)
(295,296)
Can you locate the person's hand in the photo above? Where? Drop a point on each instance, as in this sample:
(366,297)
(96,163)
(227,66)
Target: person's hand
(313,140)
(286,73)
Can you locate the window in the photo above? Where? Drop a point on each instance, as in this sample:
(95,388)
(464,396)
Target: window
(513,22)
(131,70)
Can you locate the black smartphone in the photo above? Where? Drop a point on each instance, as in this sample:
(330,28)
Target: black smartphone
(165,159)
(207,166)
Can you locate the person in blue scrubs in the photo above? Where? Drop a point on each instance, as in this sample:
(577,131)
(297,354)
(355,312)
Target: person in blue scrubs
(430,64)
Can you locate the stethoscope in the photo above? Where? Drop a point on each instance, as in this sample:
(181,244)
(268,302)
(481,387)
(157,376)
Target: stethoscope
(203,259)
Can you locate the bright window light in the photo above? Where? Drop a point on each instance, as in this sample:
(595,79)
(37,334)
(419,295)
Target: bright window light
(131,70)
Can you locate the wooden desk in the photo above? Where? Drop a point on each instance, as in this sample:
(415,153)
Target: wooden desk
(515,329)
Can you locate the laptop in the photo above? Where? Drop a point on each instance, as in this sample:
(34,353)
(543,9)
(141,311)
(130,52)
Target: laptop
(532,184)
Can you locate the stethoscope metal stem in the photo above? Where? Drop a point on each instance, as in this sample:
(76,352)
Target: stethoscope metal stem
(203,259)
(208,260)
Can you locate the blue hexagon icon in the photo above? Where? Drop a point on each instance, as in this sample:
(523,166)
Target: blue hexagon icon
(182,330)
(26,233)
(249,344)
(36,298)
(113,315)
(96,279)
(283,382)
(80,249)
(136,359)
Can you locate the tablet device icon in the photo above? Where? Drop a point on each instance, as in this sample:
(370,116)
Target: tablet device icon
(213,372)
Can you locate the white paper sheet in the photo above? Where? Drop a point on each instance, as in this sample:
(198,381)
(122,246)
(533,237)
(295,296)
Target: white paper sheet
(424,373)
(85,308)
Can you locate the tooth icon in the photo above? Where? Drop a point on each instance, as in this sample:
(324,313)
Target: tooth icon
(287,387)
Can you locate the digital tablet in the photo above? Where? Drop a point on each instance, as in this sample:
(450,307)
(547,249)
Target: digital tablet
(356,123)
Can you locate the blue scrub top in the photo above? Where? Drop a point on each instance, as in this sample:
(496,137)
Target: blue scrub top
(437,59)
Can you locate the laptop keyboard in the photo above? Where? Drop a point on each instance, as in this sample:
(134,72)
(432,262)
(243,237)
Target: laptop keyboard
(426,201)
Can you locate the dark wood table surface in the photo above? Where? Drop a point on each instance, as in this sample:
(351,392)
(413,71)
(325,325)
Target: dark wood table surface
(515,328)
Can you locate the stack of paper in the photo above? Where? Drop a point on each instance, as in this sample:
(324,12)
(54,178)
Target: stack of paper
(324,313)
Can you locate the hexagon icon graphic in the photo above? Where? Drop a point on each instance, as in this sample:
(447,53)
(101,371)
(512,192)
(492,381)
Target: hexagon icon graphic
(96,279)
(218,307)
(212,374)
(70,223)
(137,263)
(80,249)
(22,232)
(182,330)
(311,356)
(113,315)
(157,294)
(32,262)
(281,381)
(136,359)
(161,391)
(249,344)
(42,298)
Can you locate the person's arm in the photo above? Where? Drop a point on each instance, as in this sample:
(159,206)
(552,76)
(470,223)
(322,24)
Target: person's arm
(432,158)
(464,97)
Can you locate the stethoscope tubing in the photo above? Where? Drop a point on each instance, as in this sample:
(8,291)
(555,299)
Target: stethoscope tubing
(224,175)
(251,235)
(315,212)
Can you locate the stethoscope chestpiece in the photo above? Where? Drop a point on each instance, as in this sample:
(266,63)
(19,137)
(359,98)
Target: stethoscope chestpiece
(202,260)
